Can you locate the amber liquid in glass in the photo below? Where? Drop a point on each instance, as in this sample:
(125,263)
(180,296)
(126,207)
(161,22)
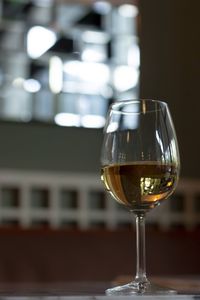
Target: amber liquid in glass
(140,186)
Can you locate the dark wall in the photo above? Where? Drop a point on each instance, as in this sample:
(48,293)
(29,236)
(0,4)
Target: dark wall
(70,256)
(170,69)
(38,146)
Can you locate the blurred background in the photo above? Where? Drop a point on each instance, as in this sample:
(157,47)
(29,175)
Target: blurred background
(62,63)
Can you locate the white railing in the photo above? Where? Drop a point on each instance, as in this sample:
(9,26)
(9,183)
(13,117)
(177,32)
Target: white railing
(182,209)
(30,198)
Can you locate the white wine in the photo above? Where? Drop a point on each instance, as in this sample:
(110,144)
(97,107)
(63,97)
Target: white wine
(142,185)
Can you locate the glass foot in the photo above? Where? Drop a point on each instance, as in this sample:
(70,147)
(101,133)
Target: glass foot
(135,288)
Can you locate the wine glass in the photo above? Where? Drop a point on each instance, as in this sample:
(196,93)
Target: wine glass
(140,169)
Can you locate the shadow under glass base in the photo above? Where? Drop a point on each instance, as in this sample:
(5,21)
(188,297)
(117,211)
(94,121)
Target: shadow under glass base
(136,288)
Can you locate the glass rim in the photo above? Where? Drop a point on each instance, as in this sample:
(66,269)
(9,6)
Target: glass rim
(120,103)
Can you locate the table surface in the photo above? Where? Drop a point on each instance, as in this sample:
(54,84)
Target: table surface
(187,288)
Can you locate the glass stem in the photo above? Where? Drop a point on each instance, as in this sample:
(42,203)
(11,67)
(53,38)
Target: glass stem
(140,249)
